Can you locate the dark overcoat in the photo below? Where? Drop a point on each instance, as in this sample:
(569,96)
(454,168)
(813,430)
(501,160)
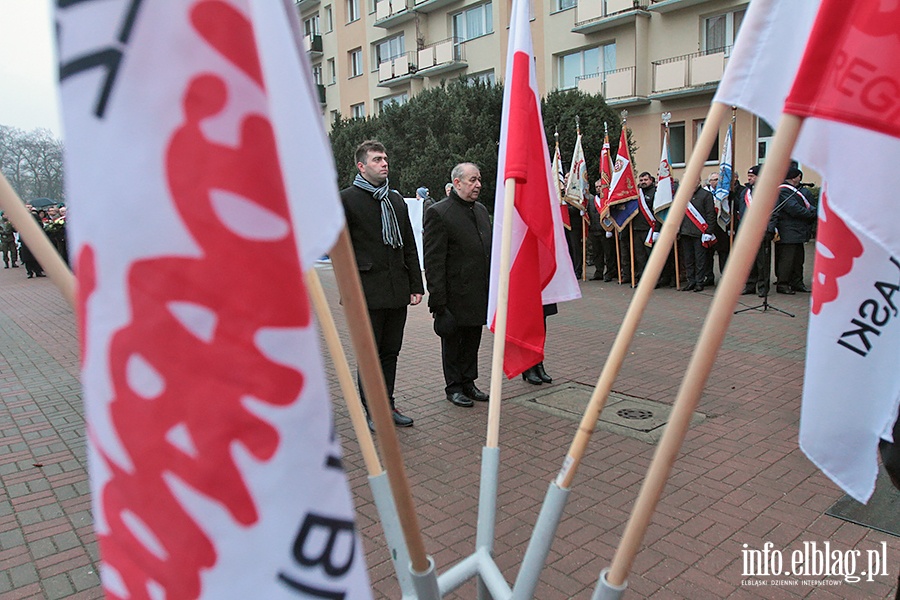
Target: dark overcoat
(457,243)
(389,275)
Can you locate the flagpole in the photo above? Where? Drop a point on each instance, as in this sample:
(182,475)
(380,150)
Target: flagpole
(378,483)
(733,177)
(363,340)
(640,300)
(584,234)
(618,256)
(37,241)
(631,250)
(677,269)
(711,336)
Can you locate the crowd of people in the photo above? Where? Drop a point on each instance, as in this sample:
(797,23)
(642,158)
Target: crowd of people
(702,241)
(14,249)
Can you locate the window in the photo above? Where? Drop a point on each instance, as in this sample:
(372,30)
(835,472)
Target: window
(565,4)
(311,26)
(389,48)
(335,117)
(585,62)
(317,74)
(332,72)
(713,157)
(764,133)
(676,144)
(352,10)
(473,22)
(399,100)
(358,111)
(485,77)
(356,64)
(720,31)
(329,19)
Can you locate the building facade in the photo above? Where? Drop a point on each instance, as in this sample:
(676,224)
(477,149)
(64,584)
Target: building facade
(647,57)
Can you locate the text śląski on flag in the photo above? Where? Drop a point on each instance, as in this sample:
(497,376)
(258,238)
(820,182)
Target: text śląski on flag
(215,472)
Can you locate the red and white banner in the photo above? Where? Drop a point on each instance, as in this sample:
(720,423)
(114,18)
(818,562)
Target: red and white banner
(836,64)
(664,196)
(556,167)
(215,472)
(541,270)
(624,186)
(578,189)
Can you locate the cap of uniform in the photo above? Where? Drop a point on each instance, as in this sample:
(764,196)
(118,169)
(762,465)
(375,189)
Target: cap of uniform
(755,169)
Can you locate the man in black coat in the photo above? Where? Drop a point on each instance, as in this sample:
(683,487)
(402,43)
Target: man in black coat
(457,242)
(693,237)
(795,216)
(386,255)
(641,226)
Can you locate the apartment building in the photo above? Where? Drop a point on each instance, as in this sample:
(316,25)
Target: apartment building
(647,57)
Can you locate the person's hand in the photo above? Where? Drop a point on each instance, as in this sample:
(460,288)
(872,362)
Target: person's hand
(655,235)
(415,299)
(609,234)
(707,237)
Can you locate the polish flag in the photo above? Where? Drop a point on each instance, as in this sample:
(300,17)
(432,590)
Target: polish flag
(215,472)
(836,64)
(664,196)
(624,186)
(540,270)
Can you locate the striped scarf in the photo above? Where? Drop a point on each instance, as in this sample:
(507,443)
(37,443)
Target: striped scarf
(390,228)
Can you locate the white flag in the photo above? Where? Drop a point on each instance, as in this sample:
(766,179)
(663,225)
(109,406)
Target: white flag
(215,472)
(663,197)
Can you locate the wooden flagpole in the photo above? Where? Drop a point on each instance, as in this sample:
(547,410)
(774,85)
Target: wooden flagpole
(733,178)
(640,300)
(711,336)
(37,241)
(345,378)
(584,234)
(631,250)
(493,429)
(347,274)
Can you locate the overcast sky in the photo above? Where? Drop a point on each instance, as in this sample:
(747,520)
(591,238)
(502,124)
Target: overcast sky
(28,95)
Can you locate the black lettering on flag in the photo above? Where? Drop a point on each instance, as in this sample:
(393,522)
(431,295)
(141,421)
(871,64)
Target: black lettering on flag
(864,329)
(887,290)
(311,591)
(333,461)
(874,316)
(334,530)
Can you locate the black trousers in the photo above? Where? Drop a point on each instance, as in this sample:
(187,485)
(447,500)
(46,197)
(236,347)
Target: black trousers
(574,238)
(721,248)
(604,255)
(387,326)
(695,257)
(789,265)
(641,252)
(459,357)
(761,273)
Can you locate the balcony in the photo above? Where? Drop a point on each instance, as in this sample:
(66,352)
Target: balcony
(442,57)
(320,88)
(592,16)
(618,87)
(397,70)
(303,5)
(665,6)
(313,45)
(389,13)
(689,74)
(427,6)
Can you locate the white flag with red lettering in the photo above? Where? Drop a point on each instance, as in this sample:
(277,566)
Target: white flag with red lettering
(540,270)
(215,472)
(832,62)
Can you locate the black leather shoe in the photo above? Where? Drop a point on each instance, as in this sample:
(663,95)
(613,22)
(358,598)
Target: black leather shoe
(762,293)
(748,290)
(802,289)
(607,279)
(698,288)
(596,277)
(401,420)
(687,287)
(531,377)
(459,399)
(783,289)
(542,373)
(473,393)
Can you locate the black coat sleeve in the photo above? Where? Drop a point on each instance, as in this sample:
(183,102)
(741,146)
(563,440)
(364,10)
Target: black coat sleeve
(435,242)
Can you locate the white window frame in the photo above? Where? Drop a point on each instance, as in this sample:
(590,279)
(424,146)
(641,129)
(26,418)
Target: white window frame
(485,77)
(329,19)
(353,13)
(317,73)
(606,61)
(358,111)
(765,133)
(396,46)
(398,99)
(486,11)
(356,63)
(311,26)
(731,30)
(332,72)
(682,150)
(713,158)
(561,5)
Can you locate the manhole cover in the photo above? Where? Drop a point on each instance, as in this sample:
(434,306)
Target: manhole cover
(623,414)
(634,413)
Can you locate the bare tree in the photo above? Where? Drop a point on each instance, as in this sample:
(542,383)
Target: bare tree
(32,161)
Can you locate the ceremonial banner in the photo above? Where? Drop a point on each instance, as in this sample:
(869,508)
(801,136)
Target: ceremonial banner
(577,185)
(215,472)
(540,270)
(623,187)
(556,167)
(664,196)
(853,56)
(723,188)
(602,197)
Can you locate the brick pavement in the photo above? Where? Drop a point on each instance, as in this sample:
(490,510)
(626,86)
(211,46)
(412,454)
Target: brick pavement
(740,478)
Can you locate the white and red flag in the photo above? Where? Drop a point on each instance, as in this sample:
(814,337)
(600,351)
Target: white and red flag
(215,472)
(557,168)
(832,62)
(624,186)
(664,196)
(540,270)
(602,197)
